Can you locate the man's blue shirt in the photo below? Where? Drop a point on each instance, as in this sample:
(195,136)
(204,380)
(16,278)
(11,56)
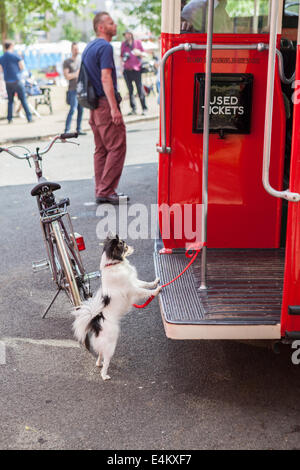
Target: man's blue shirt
(10,64)
(99,55)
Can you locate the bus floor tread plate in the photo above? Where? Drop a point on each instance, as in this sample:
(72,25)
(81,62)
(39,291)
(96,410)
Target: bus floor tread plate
(244,287)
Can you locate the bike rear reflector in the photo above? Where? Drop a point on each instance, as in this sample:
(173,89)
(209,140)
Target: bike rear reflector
(80,241)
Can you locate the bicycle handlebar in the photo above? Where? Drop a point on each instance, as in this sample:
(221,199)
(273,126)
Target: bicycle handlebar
(11,153)
(68,135)
(63,137)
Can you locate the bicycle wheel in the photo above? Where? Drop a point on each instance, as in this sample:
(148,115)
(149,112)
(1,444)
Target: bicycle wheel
(67,278)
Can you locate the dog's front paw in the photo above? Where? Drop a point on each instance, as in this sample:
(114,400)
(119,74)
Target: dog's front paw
(157,281)
(157,291)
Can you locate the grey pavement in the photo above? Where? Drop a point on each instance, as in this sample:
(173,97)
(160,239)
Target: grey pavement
(68,161)
(46,124)
(163,394)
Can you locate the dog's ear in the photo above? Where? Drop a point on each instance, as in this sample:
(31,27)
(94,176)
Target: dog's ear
(117,236)
(110,236)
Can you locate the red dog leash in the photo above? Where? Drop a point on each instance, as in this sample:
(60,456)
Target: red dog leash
(188,255)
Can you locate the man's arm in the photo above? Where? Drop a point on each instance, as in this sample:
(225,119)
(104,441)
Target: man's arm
(70,75)
(122,49)
(21,65)
(108,87)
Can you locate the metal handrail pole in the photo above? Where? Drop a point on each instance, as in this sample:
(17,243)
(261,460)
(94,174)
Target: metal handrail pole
(206,116)
(270,93)
(295,197)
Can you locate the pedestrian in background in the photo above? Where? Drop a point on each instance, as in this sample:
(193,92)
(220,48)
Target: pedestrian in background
(12,66)
(131,53)
(71,68)
(3,92)
(106,120)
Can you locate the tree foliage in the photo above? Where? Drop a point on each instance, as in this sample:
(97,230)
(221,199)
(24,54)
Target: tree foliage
(25,16)
(71,33)
(148,13)
(122,27)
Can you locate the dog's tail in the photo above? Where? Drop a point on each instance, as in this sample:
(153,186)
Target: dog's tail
(88,318)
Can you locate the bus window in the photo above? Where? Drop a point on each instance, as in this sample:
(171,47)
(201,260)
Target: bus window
(290,20)
(230,16)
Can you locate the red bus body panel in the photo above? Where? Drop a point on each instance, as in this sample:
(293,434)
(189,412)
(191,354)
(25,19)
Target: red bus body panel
(291,291)
(240,212)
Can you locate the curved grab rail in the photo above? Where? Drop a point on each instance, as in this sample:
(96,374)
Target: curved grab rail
(286,194)
(283,78)
(163,148)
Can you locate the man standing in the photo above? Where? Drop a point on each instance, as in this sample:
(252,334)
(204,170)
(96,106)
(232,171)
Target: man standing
(12,66)
(131,53)
(71,68)
(106,120)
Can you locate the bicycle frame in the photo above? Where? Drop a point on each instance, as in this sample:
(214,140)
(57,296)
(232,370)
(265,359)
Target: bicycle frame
(63,254)
(53,228)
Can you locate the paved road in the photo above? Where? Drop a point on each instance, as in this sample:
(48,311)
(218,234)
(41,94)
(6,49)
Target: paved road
(163,394)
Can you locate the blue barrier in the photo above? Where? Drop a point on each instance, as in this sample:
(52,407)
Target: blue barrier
(36,60)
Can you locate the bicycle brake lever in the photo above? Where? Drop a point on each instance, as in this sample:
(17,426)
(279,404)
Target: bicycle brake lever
(71,142)
(28,160)
(65,141)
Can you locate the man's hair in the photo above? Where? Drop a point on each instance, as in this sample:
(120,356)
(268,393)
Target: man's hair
(7,44)
(98,19)
(74,44)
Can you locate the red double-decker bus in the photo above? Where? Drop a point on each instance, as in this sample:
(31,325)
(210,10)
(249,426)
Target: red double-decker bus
(230,142)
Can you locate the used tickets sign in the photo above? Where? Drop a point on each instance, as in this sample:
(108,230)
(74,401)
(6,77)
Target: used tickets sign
(230,103)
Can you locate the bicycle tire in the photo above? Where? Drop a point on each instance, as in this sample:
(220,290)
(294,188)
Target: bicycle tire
(70,286)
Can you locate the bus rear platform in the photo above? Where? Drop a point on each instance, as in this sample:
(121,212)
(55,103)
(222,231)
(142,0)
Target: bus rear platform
(242,300)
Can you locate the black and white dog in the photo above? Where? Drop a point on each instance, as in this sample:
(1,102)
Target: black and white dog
(97,320)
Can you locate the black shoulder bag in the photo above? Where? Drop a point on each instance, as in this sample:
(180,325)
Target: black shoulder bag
(86,94)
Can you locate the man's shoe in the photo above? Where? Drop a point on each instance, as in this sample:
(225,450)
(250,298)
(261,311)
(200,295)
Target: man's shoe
(132,113)
(114,199)
(123,195)
(81,133)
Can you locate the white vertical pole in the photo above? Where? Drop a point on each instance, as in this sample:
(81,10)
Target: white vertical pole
(256,16)
(210,24)
(270,94)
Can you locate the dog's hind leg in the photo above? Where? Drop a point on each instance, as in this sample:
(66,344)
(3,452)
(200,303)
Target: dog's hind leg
(105,366)
(108,352)
(98,363)
(106,361)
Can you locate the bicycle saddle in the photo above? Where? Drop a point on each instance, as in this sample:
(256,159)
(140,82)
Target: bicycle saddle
(38,189)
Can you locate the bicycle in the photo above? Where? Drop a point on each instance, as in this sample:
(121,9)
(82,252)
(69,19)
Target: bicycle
(62,246)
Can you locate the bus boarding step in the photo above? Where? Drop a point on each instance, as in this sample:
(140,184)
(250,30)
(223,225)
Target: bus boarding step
(244,287)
